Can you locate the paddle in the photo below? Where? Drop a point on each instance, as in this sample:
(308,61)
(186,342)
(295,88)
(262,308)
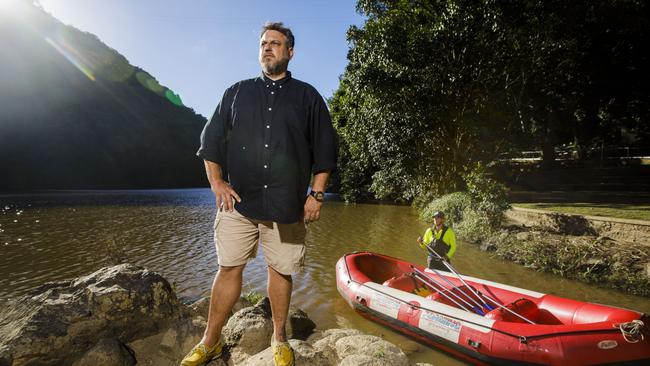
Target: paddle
(448,265)
(451,268)
(426,279)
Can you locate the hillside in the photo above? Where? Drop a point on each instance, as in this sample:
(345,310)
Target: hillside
(75,114)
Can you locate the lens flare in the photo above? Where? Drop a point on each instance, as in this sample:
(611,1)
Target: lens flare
(173,97)
(149,82)
(70,57)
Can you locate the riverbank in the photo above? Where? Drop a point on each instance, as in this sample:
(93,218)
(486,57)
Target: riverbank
(612,253)
(124,314)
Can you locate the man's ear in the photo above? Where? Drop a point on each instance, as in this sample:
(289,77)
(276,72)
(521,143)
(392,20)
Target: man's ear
(290,53)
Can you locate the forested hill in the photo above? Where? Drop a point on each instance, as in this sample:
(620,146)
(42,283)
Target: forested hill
(75,114)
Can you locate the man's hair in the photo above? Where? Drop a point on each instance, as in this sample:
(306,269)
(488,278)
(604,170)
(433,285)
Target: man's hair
(278,26)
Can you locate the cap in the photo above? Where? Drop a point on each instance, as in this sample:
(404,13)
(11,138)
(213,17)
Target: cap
(438,214)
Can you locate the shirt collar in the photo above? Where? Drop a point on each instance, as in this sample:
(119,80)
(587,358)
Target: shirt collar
(266,80)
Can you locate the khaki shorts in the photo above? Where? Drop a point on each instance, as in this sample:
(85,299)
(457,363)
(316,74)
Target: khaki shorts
(236,238)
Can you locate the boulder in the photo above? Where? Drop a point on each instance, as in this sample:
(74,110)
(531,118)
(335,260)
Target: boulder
(299,325)
(375,350)
(249,331)
(325,342)
(305,355)
(107,352)
(60,321)
(126,315)
(168,346)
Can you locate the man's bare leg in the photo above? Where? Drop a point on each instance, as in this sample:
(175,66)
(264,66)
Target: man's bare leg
(226,289)
(279,290)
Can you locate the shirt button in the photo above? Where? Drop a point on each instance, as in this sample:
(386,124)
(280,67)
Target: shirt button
(268,126)
(272,92)
(243,147)
(266,145)
(265,186)
(269,108)
(266,166)
(280,86)
(273,83)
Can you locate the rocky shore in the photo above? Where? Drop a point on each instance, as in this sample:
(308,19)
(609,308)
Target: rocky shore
(613,255)
(123,315)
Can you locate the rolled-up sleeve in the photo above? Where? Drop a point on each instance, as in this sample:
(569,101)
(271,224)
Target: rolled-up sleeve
(214,138)
(324,140)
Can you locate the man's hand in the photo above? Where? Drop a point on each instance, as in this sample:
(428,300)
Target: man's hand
(312,210)
(224,195)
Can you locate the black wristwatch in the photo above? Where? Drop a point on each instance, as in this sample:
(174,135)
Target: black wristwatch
(318,195)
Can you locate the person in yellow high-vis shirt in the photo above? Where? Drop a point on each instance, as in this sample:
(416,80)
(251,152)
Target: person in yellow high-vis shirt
(441,239)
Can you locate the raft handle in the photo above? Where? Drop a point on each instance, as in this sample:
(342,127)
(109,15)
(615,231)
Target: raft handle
(523,340)
(475,344)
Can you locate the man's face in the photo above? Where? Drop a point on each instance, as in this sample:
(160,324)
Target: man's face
(439,220)
(274,52)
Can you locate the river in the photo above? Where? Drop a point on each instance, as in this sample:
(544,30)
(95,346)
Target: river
(58,235)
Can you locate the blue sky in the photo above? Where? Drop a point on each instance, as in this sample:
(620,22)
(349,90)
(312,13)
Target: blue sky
(200,47)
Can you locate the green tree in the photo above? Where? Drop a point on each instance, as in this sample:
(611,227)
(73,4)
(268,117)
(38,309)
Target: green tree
(434,86)
(414,115)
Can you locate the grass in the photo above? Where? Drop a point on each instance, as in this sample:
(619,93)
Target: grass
(621,211)
(253,297)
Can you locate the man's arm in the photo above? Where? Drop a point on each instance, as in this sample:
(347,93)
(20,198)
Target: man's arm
(451,240)
(312,207)
(223,192)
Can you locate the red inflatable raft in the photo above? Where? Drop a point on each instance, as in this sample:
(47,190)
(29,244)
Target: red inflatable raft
(485,322)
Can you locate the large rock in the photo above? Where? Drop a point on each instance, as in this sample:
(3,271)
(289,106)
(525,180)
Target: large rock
(60,321)
(249,331)
(304,352)
(325,342)
(168,346)
(352,347)
(126,315)
(299,325)
(107,352)
(375,351)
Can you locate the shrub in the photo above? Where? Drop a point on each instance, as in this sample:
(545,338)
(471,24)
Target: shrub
(474,226)
(453,205)
(488,196)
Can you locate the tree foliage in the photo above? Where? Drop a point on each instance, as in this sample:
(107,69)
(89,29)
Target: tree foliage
(432,87)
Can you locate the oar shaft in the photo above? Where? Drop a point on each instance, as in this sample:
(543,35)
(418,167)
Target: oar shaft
(430,283)
(422,274)
(451,268)
(456,287)
(509,310)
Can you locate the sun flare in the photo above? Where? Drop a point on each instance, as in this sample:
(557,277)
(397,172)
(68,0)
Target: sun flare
(13,7)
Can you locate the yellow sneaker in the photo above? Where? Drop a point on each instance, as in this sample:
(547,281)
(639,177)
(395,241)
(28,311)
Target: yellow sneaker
(282,354)
(200,354)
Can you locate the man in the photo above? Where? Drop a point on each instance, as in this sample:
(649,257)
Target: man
(260,148)
(441,239)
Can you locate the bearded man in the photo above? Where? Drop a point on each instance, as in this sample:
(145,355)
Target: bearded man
(268,138)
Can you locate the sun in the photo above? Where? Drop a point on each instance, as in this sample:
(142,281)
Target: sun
(14,7)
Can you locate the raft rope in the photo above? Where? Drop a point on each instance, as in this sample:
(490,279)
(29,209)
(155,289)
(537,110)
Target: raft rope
(631,330)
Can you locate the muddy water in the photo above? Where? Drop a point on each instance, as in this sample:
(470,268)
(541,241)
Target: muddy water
(54,236)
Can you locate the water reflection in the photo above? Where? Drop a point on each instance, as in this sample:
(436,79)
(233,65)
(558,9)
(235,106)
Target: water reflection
(55,236)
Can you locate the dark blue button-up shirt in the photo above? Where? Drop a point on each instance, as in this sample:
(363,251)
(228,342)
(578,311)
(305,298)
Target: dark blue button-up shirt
(268,137)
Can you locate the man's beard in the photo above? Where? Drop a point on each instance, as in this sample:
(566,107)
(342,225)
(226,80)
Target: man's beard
(275,68)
